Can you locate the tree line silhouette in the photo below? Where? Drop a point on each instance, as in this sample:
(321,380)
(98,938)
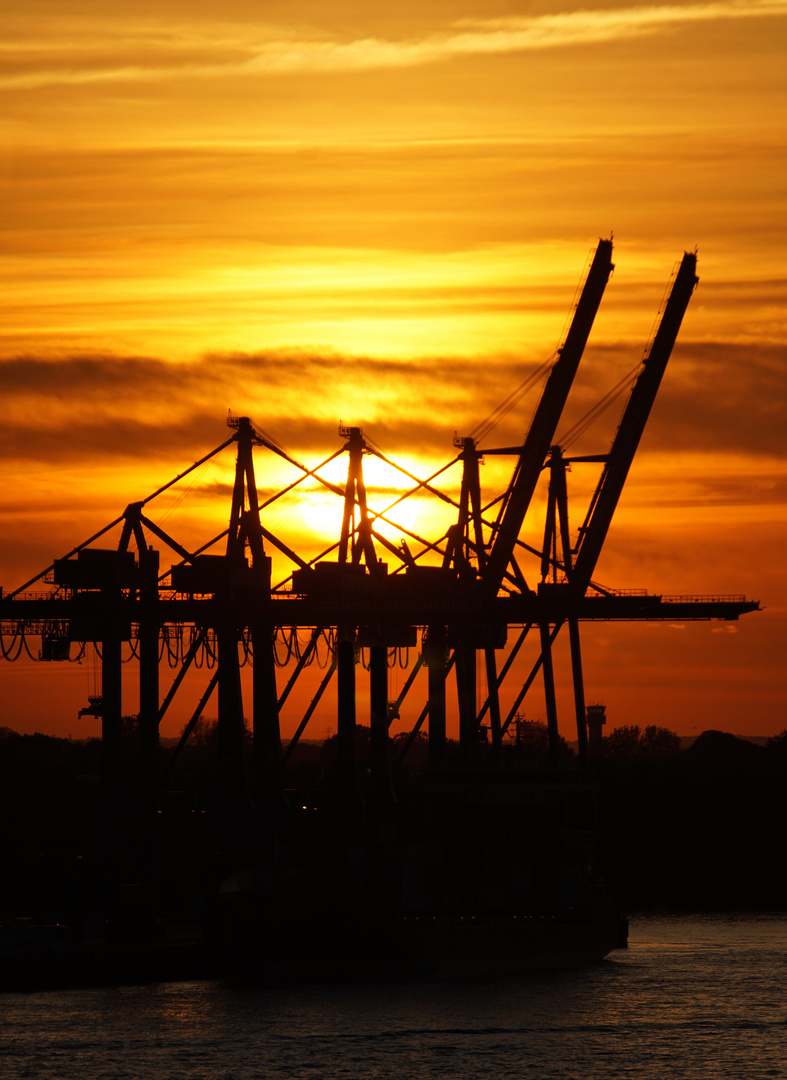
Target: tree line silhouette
(700,828)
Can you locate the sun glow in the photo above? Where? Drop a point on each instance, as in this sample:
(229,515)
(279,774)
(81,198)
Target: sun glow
(393,506)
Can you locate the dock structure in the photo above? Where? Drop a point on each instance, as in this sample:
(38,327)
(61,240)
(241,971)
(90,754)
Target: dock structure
(459,603)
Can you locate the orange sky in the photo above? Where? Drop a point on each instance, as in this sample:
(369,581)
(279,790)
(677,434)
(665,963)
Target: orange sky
(380,217)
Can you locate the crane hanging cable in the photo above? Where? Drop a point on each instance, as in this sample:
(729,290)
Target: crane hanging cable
(590,417)
(626,382)
(480,431)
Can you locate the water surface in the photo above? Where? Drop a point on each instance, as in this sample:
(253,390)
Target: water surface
(693,997)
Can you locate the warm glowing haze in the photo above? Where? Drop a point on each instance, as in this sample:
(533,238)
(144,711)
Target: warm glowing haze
(310,213)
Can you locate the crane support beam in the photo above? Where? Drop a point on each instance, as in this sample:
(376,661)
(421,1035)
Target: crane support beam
(632,425)
(552,603)
(315,701)
(546,419)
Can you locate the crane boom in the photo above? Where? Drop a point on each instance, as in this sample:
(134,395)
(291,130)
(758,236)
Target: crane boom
(631,427)
(547,416)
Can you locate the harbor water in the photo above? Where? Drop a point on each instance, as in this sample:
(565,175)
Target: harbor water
(695,997)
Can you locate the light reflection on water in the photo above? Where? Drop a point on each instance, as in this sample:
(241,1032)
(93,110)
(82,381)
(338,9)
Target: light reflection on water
(693,997)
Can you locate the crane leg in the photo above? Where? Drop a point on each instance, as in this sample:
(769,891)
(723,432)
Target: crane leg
(111,773)
(494,701)
(466,693)
(347,773)
(378,693)
(549,689)
(268,774)
(148,740)
(579,687)
(436,668)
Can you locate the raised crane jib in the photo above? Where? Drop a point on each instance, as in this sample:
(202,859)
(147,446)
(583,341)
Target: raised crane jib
(632,425)
(547,416)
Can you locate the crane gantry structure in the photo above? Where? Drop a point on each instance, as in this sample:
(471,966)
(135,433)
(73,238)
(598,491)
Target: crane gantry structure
(455,598)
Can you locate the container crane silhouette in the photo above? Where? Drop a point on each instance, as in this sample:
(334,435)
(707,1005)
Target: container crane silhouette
(456,596)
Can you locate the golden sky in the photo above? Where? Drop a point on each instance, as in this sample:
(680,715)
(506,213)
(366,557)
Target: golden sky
(308,213)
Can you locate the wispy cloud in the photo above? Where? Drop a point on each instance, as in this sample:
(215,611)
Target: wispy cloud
(132,407)
(154,53)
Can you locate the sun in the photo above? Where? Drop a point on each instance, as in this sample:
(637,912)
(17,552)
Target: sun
(321,515)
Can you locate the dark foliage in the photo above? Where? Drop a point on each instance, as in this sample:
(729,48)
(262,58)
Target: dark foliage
(628,744)
(702,829)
